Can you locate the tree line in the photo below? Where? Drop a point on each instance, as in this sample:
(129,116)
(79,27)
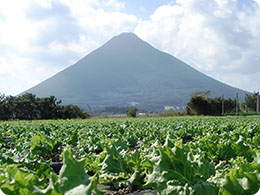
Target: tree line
(201,104)
(30,107)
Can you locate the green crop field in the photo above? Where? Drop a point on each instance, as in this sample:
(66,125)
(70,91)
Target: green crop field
(185,155)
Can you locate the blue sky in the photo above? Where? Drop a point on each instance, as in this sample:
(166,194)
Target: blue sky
(143,8)
(39,38)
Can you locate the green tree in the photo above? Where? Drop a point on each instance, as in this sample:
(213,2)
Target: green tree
(26,107)
(250,103)
(49,107)
(23,107)
(230,105)
(4,113)
(200,105)
(131,112)
(29,107)
(72,111)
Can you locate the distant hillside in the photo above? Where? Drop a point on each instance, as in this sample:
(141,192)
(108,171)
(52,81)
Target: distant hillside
(127,71)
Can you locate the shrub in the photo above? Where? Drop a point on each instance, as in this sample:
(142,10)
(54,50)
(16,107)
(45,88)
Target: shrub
(131,112)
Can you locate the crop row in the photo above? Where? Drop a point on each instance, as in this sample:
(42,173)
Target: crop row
(186,155)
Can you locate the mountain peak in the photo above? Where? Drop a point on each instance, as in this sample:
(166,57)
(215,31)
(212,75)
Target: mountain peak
(127,69)
(126,35)
(126,40)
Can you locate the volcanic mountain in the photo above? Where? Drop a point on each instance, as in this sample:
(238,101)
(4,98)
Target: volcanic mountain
(128,71)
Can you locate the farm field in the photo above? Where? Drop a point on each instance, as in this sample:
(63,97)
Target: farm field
(182,155)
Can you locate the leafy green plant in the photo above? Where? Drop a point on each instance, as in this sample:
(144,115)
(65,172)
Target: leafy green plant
(41,145)
(201,155)
(175,171)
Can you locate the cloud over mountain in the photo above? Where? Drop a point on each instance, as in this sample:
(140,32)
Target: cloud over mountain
(40,38)
(220,39)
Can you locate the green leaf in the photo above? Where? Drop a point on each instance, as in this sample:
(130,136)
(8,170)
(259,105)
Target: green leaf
(243,179)
(174,172)
(41,145)
(72,173)
(72,178)
(18,181)
(114,167)
(136,180)
(52,189)
(85,190)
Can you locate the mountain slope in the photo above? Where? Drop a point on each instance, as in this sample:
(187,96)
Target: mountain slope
(127,70)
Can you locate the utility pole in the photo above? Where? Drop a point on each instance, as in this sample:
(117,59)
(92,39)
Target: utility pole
(89,109)
(257,103)
(237,106)
(223,101)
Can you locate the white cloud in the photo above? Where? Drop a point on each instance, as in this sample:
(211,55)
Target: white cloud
(257,1)
(39,38)
(220,39)
(99,23)
(17,73)
(115,4)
